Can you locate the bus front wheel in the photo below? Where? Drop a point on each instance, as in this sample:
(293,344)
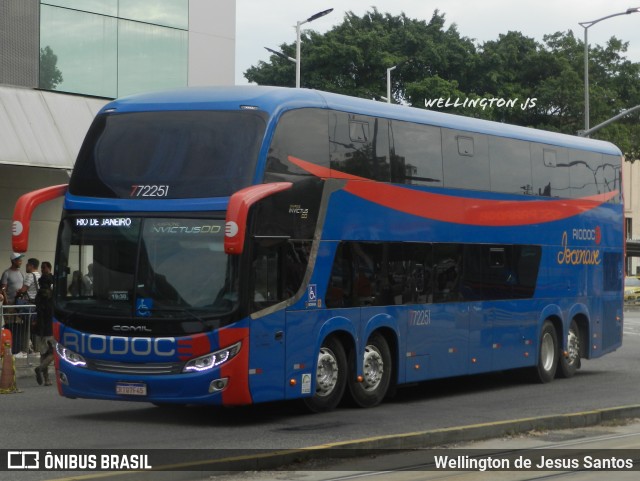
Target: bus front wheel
(331,377)
(548,353)
(372,387)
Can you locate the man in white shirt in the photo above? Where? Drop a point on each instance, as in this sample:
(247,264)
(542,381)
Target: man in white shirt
(11,282)
(12,279)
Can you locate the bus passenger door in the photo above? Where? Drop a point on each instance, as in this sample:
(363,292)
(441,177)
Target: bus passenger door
(266,361)
(267,323)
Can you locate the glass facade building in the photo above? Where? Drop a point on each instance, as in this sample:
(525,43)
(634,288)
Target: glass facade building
(112,48)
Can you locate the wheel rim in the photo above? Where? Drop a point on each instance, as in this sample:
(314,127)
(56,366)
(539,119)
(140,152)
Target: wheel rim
(373,368)
(327,372)
(547,351)
(573,347)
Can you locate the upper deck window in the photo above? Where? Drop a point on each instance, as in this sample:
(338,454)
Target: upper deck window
(169,154)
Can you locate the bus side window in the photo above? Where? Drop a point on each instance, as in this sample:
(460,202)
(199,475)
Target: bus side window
(359,145)
(278,271)
(368,269)
(421,273)
(265,289)
(296,260)
(447,269)
(338,292)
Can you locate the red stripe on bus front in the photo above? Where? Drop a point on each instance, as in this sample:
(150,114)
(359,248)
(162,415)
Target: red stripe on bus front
(237,369)
(193,346)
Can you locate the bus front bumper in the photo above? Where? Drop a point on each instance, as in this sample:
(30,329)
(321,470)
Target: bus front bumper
(211,387)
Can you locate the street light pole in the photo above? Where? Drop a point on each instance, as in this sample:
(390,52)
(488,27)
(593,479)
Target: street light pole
(586,133)
(389,83)
(280,54)
(298,24)
(586,26)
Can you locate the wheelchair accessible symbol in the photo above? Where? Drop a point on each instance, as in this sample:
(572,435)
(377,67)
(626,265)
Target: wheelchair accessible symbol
(312,295)
(143,306)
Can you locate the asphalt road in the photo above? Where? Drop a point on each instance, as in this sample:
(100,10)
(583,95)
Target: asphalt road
(37,418)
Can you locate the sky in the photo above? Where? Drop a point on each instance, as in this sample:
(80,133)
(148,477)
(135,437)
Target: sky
(270,23)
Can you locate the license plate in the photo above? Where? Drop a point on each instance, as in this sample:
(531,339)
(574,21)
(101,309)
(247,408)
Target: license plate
(131,389)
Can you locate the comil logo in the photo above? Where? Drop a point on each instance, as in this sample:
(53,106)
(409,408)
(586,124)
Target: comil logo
(23,460)
(594,235)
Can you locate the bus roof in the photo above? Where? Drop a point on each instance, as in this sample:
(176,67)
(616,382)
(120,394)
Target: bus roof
(275,100)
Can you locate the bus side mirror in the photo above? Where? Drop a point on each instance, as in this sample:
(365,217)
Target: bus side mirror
(23,210)
(238,212)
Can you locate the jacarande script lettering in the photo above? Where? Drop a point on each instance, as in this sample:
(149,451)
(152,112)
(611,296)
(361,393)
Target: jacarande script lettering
(577,256)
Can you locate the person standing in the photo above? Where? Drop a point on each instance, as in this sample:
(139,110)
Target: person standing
(44,324)
(87,282)
(11,282)
(2,302)
(30,285)
(12,279)
(30,289)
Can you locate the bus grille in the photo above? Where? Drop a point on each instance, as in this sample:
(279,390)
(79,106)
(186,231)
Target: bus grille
(136,368)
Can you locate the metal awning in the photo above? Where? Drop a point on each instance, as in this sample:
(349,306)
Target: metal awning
(41,128)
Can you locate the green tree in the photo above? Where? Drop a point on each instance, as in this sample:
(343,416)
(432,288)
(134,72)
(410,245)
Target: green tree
(50,75)
(353,57)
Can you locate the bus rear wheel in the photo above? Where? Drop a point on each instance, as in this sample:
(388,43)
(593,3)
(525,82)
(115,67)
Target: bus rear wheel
(570,363)
(376,373)
(548,354)
(331,377)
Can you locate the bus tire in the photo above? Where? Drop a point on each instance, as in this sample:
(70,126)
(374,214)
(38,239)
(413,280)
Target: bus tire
(568,365)
(548,354)
(331,377)
(376,373)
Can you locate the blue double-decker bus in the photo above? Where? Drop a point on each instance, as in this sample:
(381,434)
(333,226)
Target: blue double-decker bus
(238,245)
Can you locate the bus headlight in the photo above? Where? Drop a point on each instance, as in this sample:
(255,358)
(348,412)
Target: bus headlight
(71,357)
(211,360)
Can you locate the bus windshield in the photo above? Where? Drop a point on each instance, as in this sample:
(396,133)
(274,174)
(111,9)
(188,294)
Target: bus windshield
(128,267)
(169,154)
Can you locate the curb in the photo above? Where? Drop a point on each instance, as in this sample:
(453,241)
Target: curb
(24,370)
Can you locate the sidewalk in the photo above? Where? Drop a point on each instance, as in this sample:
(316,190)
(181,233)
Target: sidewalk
(26,363)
